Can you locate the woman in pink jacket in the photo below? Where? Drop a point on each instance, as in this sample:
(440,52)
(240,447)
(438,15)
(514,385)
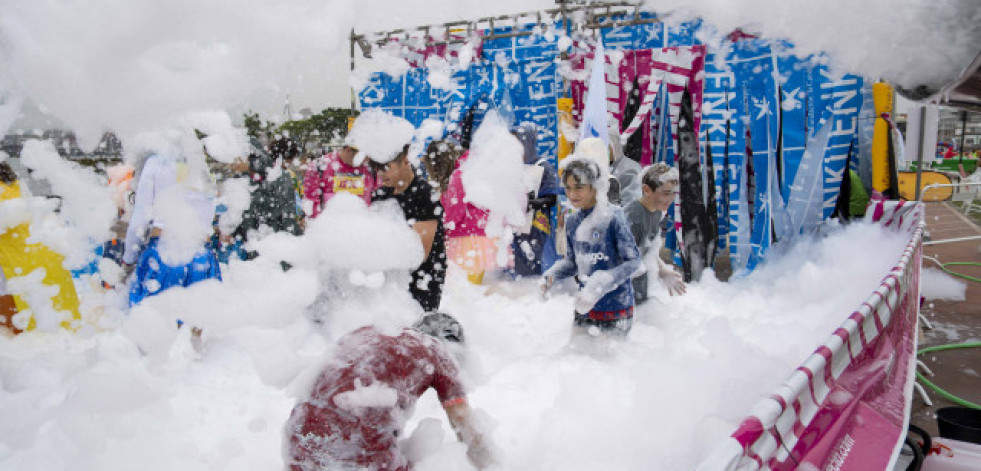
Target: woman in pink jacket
(467,244)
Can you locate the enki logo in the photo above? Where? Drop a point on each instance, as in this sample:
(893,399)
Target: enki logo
(595,257)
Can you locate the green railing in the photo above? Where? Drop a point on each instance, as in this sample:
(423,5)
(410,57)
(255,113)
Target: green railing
(948,165)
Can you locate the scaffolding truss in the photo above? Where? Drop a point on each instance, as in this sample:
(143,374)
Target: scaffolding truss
(595,15)
(575,17)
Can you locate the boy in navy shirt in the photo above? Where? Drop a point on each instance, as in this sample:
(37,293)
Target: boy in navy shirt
(601,252)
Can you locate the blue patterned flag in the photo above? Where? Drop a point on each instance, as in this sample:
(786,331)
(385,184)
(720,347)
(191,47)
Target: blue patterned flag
(594,123)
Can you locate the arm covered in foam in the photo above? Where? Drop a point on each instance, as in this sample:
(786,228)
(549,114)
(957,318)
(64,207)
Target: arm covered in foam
(567,266)
(468,431)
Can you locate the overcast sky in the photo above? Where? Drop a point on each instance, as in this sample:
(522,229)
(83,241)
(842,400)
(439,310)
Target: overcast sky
(134,66)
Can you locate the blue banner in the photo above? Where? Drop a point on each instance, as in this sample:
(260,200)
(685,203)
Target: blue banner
(843,101)
(714,135)
(654,35)
(753,68)
(793,129)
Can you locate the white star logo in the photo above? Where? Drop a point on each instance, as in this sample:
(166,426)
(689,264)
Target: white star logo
(763,105)
(484,76)
(790,100)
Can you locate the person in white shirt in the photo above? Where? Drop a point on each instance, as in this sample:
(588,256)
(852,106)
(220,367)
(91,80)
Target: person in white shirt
(169,193)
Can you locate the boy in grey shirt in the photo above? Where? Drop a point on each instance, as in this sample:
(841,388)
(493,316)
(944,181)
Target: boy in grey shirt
(659,185)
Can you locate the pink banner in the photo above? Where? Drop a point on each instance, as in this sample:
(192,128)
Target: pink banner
(846,407)
(418,49)
(679,67)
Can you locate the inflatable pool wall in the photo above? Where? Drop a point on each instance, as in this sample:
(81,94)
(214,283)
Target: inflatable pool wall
(846,407)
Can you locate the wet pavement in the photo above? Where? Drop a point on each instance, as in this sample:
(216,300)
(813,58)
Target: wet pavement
(954,322)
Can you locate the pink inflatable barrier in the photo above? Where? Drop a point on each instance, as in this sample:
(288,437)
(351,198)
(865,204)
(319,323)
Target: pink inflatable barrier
(846,407)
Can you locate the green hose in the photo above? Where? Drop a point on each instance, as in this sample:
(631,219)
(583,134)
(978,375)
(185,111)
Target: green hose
(943,267)
(946,395)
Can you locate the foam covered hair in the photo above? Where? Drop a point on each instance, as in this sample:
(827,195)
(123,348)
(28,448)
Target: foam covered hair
(440,325)
(583,169)
(658,174)
(587,170)
(671,175)
(594,148)
(527,134)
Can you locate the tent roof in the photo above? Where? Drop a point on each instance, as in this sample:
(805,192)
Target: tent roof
(963,92)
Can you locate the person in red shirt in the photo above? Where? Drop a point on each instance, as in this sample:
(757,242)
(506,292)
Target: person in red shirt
(950,154)
(334,173)
(354,413)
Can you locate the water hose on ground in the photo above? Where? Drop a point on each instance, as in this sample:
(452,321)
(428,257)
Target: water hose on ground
(943,266)
(946,395)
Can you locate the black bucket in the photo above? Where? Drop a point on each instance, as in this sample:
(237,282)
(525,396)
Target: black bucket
(960,423)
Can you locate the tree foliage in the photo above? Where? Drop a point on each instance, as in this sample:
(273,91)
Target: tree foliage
(312,133)
(257,129)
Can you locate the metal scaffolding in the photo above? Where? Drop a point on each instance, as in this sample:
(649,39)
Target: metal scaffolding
(595,16)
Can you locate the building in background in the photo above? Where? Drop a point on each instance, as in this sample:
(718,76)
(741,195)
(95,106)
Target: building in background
(961,127)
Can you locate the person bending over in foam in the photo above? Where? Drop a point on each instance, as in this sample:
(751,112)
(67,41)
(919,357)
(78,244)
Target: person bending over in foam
(354,414)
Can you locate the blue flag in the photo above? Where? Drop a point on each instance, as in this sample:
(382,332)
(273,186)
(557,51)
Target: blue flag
(594,122)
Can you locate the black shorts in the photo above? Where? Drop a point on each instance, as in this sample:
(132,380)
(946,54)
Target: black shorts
(427,289)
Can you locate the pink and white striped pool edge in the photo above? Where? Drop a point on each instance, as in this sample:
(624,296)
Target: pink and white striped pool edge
(846,408)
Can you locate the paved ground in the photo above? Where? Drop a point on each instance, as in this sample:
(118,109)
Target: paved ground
(957,371)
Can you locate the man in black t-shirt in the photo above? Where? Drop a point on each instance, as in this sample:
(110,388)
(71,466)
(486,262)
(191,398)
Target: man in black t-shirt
(398,180)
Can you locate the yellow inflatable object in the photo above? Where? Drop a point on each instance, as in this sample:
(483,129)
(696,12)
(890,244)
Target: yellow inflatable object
(564,106)
(907,186)
(18,258)
(882,97)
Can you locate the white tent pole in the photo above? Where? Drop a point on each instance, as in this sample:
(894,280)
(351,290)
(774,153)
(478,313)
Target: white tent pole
(919,151)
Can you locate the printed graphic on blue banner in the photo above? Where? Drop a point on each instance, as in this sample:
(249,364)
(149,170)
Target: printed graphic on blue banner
(753,68)
(643,36)
(650,35)
(716,117)
(862,161)
(793,115)
(843,102)
(740,220)
(783,100)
